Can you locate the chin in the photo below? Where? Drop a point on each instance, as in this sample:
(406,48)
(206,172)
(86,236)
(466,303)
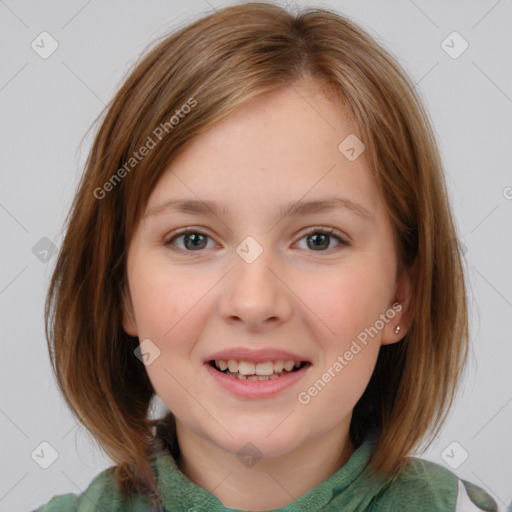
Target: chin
(266,439)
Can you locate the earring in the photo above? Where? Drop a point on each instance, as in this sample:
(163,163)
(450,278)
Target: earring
(397,329)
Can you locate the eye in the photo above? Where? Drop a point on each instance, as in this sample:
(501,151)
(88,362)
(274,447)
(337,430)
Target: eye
(320,238)
(193,240)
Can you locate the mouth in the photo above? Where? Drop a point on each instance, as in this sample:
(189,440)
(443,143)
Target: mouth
(257,371)
(262,373)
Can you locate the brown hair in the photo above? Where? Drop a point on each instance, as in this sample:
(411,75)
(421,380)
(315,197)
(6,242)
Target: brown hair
(221,62)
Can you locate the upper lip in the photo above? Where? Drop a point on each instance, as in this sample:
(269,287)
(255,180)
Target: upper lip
(254,355)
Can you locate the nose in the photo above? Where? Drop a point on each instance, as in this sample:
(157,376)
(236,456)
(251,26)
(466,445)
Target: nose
(254,293)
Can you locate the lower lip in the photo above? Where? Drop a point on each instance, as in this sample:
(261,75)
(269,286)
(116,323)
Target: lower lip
(255,388)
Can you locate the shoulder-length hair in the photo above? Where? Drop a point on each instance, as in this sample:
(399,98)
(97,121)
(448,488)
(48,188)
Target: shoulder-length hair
(181,87)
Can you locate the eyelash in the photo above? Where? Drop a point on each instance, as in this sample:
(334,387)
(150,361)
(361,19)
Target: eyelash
(315,230)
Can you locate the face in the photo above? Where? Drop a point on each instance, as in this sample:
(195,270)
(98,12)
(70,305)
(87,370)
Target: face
(252,288)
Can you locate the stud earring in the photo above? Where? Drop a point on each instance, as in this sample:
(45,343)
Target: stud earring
(397,329)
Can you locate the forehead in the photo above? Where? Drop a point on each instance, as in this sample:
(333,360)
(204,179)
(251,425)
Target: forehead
(282,146)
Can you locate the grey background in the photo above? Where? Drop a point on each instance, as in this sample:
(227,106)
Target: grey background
(47,105)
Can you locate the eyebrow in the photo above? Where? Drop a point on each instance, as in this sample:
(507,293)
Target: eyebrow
(295,208)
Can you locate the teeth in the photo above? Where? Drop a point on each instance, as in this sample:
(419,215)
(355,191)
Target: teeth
(278,366)
(248,370)
(221,365)
(266,368)
(288,366)
(253,377)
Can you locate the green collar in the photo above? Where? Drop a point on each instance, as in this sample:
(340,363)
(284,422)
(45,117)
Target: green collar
(349,487)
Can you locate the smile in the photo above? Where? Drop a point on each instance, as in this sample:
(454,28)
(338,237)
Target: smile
(247,381)
(249,370)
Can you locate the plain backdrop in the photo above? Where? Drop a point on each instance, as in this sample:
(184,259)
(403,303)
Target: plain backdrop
(47,105)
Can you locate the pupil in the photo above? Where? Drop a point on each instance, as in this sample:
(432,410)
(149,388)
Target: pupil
(324,239)
(194,238)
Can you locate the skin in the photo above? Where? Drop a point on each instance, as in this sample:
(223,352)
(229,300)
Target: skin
(294,296)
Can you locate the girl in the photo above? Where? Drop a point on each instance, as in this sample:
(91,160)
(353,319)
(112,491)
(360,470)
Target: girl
(262,239)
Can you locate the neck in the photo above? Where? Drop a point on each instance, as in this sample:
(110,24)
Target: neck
(269,483)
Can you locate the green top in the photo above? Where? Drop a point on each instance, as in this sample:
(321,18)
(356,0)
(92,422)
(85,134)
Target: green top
(423,487)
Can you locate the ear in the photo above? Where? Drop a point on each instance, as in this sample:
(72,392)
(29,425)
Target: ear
(129,323)
(400,306)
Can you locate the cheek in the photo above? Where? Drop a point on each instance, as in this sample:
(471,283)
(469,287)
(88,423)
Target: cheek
(347,302)
(347,308)
(166,310)
(161,298)
(171,309)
